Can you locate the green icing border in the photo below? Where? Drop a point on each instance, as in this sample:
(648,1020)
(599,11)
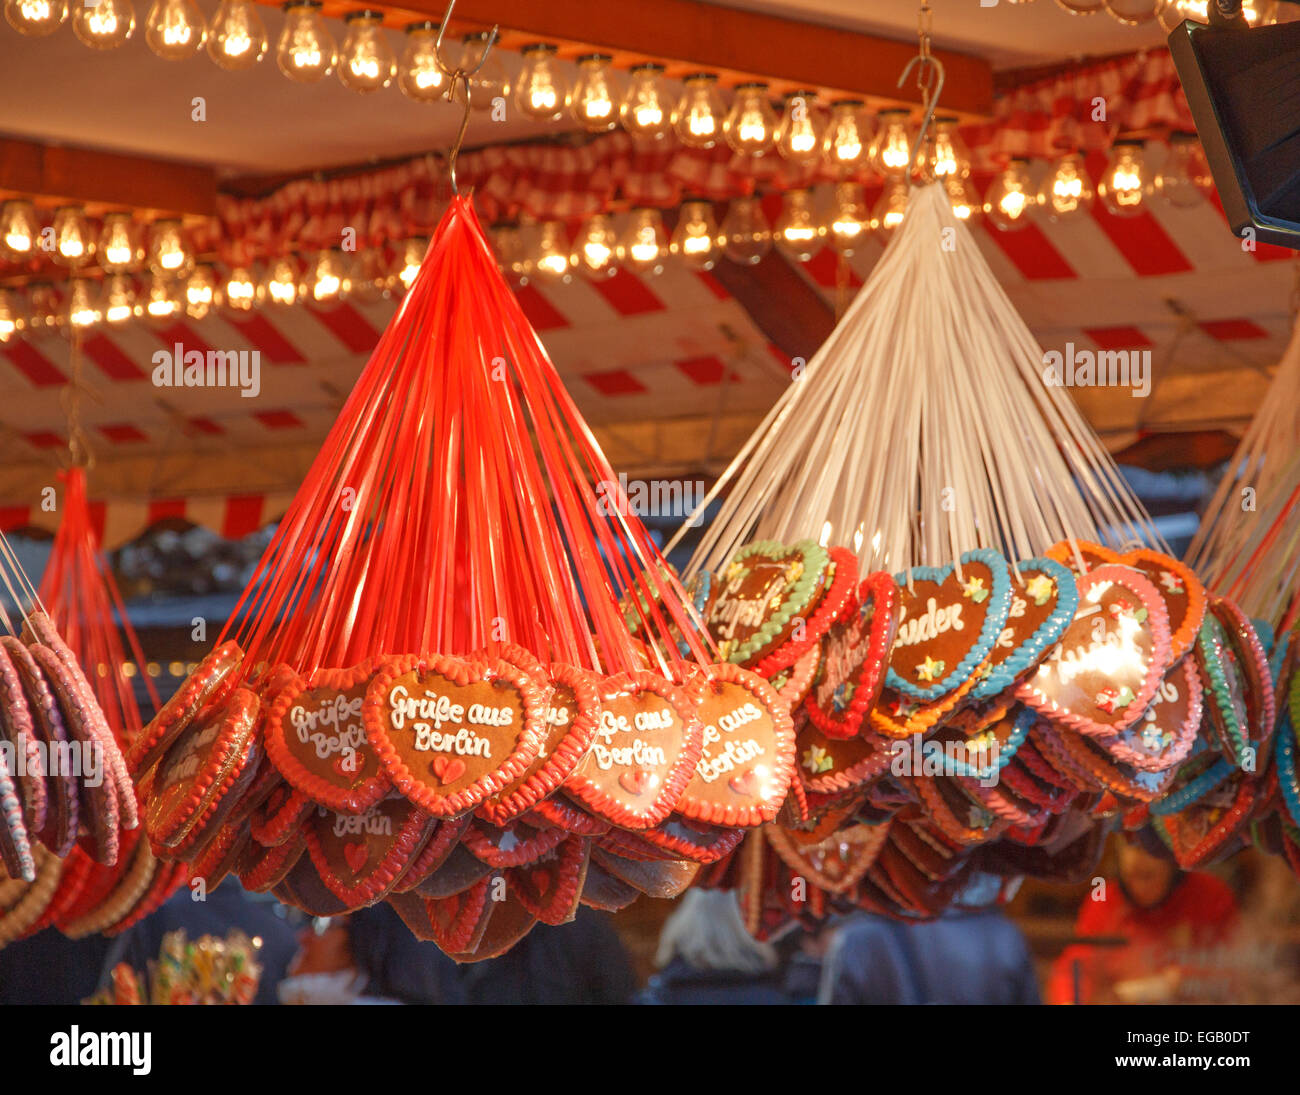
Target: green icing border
(815,560)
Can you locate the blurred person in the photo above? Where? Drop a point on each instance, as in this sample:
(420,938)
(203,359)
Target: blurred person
(706,956)
(974,956)
(369,957)
(581,962)
(50,968)
(1148,921)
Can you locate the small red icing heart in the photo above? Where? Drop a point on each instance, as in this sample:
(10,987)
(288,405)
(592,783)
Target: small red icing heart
(541,880)
(355,855)
(744,784)
(448,769)
(634,781)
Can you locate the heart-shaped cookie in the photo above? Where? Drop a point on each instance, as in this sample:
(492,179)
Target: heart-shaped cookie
(451,731)
(841,584)
(1252,660)
(646,750)
(829,765)
(679,838)
(1043,602)
(360,856)
(855,655)
(836,863)
(551,887)
(1165,733)
(747,750)
(947,625)
(1203,831)
(572,715)
(762,597)
(1223,676)
(1100,677)
(316,739)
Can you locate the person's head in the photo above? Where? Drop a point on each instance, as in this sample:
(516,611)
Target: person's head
(706,932)
(1147,879)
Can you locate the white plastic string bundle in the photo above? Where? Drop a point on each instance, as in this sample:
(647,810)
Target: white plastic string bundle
(924,427)
(11,575)
(1261,460)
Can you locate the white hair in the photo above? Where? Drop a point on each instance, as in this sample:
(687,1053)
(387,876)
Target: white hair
(706,932)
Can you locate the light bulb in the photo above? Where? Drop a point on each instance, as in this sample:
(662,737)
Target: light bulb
(891,149)
(119,245)
(490,82)
(1123,183)
(18,228)
(799,133)
(175,29)
(1133,12)
(418,73)
(646,111)
(696,239)
(200,291)
(241,292)
(1067,192)
(592,102)
(413,252)
(747,236)
(1010,198)
(103,24)
(282,282)
(847,141)
(964,199)
(11,315)
(119,299)
(366,61)
(944,154)
(83,304)
(324,281)
(554,260)
(306,51)
(645,243)
(750,127)
(237,38)
(797,232)
(74,243)
(540,91)
(597,249)
(891,207)
(512,256)
(169,250)
(36,18)
(850,220)
(163,299)
(44,312)
(700,111)
(1184,179)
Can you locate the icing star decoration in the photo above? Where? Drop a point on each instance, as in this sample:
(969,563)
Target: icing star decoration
(929,669)
(1172,582)
(1040,588)
(974,589)
(817,760)
(901,708)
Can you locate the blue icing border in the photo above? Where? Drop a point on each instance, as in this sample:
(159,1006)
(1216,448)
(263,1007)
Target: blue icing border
(1048,633)
(1284,751)
(995,619)
(1020,730)
(1192,792)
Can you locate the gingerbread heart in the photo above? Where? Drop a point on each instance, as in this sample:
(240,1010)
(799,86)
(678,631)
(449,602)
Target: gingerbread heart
(836,863)
(1224,679)
(747,750)
(1105,670)
(645,751)
(451,731)
(763,596)
(841,584)
(1043,602)
(682,839)
(855,655)
(316,739)
(828,765)
(947,626)
(1165,733)
(1252,660)
(551,887)
(360,856)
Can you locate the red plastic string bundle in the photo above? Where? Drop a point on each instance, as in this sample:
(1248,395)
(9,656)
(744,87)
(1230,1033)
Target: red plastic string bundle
(81,597)
(460,500)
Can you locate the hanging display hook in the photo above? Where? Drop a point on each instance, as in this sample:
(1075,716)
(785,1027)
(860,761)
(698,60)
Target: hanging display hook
(459,76)
(929,78)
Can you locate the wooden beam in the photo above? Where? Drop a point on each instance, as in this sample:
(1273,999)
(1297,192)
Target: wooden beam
(108,179)
(691,36)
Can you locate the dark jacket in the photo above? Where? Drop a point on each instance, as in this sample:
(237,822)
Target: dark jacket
(679,983)
(960,958)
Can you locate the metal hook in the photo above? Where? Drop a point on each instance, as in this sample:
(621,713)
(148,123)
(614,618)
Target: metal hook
(930,92)
(459,76)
